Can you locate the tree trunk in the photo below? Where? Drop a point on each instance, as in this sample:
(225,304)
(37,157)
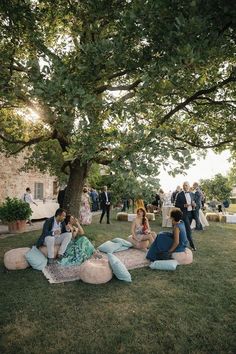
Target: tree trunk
(77,178)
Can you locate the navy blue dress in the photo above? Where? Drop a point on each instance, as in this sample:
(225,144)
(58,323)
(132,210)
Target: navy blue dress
(163,242)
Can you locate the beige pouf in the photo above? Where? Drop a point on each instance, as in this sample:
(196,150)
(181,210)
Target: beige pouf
(212,217)
(95,271)
(44,250)
(185,257)
(122,216)
(150,216)
(15,259)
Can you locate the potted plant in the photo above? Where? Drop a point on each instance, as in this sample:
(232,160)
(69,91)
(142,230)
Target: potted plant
(15,213)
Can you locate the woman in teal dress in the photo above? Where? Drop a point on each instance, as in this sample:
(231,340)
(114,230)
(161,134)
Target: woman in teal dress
(80,248)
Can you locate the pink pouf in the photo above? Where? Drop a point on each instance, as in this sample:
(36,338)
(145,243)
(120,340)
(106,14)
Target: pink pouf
(15,259)
(95,271)
(185,257)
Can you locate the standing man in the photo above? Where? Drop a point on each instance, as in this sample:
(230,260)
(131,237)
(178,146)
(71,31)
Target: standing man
(27,197)
(198,200)
(185,201)
(105,202)
(55,233)
(61,197)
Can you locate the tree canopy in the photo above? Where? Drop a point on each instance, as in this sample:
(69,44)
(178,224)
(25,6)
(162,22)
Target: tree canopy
(128,83)
(218,188)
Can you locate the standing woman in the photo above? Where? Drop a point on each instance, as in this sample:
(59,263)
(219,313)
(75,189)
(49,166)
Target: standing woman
(85,217)
(141,231)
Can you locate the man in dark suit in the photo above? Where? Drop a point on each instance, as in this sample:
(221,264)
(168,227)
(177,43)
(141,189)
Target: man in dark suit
(55,233)
(185,201)
(105,202)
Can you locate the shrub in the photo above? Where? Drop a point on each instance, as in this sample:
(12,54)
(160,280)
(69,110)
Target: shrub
(14,209)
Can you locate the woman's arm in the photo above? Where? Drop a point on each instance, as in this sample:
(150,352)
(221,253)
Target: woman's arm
(133,229)
(176,239)
(79,228)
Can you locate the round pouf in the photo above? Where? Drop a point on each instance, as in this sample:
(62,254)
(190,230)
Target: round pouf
(44,250)
(15,259)
(95,271)
(185,257)
(212,217)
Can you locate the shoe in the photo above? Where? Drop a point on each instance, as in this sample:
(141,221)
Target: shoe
(108,222)
(193,248)
(51,261)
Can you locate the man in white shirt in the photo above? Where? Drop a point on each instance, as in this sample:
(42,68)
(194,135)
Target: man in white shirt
(185,201)
(55,233)
(27,197)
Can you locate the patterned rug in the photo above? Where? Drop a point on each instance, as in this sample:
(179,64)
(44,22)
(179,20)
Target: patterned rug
(131,258)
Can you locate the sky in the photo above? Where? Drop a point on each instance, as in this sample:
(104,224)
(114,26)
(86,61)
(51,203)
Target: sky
(204,168)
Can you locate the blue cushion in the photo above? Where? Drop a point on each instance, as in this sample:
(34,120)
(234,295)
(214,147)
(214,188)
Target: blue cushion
(36,259)
(170,264)
(109,247)
(122,242)
(118,268)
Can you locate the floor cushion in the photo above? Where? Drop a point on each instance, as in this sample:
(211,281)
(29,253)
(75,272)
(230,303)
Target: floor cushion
(15,258)
(95,271)
(185,257)
(36,258)
(118,268)
(44,250)
(169,264)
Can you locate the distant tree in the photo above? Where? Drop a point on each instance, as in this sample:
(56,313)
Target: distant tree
(218,187)
(116,82)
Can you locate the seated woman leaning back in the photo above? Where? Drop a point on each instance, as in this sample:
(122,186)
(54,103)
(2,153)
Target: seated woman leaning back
(141,232)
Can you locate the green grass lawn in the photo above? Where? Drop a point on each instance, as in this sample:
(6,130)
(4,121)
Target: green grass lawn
(191,310)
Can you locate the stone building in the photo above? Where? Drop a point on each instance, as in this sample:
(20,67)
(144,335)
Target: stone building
(13,183)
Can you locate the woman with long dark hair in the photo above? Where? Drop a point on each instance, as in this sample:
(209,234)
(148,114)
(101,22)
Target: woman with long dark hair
(141,231)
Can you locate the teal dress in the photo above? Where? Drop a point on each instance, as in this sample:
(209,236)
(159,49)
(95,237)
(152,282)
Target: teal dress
(78,251)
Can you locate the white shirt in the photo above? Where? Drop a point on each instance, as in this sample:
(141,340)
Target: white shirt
(106,197)
(27,197)
(188,200)
(56,226)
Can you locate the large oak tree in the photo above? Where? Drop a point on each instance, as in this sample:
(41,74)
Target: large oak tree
(126,83)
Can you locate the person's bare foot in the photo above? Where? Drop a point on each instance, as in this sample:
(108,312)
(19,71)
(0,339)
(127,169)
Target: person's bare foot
(97,255)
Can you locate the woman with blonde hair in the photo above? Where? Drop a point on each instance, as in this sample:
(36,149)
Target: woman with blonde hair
(141,231)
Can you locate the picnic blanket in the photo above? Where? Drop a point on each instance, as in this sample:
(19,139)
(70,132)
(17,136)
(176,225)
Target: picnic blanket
(131,258)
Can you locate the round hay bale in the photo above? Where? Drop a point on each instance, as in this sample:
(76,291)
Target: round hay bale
(213,217)
(185,257)
(95,271)
(44,250)
(15,259)
(122,216)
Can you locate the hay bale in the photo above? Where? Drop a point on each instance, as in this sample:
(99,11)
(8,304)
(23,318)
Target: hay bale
(150,216)
(213,217)
(15,258)
(122,216)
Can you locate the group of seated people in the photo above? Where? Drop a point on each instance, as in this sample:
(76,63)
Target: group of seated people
(63,229)
(161,246)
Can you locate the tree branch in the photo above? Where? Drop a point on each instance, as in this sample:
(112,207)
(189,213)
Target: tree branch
(118,88)
(194,97)
(198,145)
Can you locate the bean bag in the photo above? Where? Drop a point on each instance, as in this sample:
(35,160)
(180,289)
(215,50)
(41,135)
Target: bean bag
(185,257)
(15,258)
(212,217)
(122,216)
(44,250)
(95,271)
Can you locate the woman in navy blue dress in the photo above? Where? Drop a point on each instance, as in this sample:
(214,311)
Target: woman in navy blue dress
(168,242)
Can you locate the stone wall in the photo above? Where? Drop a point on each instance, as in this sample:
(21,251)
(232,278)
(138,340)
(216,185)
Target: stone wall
(13,183)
